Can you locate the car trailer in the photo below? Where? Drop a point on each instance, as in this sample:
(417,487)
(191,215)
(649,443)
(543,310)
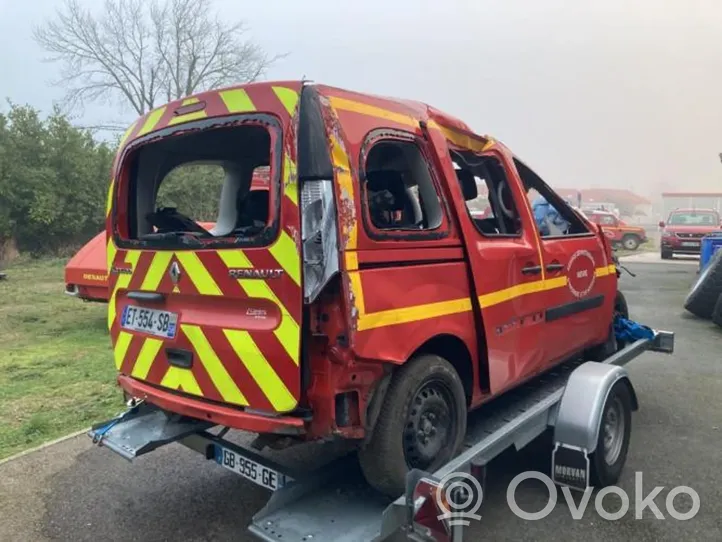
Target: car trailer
(334,503)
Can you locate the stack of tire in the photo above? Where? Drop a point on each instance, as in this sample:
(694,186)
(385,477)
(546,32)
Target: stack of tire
(705,297)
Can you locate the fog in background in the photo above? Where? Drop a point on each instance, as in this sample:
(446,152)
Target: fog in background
(608,94)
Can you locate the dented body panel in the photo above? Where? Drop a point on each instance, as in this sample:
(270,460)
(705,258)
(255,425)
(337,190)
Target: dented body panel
(343,309)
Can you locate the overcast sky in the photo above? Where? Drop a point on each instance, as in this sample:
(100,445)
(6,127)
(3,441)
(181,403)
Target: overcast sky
(615,93)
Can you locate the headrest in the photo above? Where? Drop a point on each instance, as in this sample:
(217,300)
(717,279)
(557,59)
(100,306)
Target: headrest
(468,184)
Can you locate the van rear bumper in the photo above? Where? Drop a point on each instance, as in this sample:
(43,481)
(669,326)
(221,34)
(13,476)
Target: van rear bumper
(212,412)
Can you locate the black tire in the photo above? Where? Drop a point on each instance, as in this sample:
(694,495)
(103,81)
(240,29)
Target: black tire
(611,346)
(395,445)
(666,254)
(631,242)
(606,463)
(702,298)
(717,312)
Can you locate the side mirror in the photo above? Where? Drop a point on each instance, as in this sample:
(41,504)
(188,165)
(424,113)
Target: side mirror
(661,223)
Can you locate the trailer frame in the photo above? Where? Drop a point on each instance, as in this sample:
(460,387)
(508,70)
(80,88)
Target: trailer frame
(334,503)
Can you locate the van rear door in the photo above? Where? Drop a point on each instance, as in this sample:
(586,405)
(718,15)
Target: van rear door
(213,312)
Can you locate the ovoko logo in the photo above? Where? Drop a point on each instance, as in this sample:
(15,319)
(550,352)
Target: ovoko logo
(581,273)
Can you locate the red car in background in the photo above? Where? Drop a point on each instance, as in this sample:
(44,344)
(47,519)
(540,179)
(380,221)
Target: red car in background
(683,231)
(618,231)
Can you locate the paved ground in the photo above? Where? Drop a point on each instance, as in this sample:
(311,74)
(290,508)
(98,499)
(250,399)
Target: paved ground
(654,257)
(72,491)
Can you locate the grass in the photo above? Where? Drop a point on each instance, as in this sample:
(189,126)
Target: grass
(56,367)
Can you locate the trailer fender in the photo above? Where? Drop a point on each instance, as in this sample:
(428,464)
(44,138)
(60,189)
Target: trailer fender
(579,414)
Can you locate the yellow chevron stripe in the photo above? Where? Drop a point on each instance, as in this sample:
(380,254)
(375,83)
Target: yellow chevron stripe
(261,371)
(110,253)
(287,332)
(288,97)
(158,266)
(198,273)
(216,370)
(122,344)
(181,379)
(290,180)
(147,354)
(285,252)
(345,184)
(109,199)
(122,283)
(188,116)
(151,121)
(126,135)
(237,100)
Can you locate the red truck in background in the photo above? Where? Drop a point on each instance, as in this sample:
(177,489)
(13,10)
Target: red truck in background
(618,231)
(684,228)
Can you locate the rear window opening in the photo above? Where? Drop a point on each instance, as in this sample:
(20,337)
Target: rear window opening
(202,187)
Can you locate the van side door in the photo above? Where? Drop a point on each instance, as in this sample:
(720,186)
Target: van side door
(579,286)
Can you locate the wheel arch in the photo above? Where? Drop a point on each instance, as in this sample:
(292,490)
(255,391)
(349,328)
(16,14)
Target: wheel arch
(579,415)
(454,350)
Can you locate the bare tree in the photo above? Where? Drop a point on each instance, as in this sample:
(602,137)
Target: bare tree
(139,53)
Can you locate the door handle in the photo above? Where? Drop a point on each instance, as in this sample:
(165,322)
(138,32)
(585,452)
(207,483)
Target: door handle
(531,270)
(555,266)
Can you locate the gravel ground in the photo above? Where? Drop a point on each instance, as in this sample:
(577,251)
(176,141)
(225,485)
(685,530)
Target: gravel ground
(72,491)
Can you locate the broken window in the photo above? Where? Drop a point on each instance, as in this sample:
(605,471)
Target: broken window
(487,193)
(199,186)
(398,188)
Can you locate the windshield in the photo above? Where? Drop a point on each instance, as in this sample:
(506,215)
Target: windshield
(693,218)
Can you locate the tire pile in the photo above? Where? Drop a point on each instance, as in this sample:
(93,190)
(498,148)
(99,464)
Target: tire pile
(705,297)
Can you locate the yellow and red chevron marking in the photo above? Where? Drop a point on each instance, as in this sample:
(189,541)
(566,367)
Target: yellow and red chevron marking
(256,368)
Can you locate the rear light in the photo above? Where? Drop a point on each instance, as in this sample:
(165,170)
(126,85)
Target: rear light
(319,237)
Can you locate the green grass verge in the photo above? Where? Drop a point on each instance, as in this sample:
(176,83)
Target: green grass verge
(56,367)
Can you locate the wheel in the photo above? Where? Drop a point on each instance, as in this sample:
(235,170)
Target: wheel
(607,460)
(666,254)
(717,312)
(702,298)
(630,242)
(611,345)
(421,424)
(620,305)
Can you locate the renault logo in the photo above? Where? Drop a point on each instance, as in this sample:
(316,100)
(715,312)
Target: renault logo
(175,272)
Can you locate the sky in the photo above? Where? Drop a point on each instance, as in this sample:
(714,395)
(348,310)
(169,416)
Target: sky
(619,94)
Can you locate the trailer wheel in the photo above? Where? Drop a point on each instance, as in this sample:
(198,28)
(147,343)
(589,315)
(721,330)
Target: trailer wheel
(608,458)
(702,297)
(421,424)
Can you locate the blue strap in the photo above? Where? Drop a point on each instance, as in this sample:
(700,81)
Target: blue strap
(629,331)
(100,433)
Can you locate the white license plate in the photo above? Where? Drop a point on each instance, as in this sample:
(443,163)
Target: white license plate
(690,244)
(153,321)
(253,471)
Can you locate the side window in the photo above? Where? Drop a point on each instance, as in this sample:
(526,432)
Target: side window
(486,191)
(607,221)
(554,216)
(398,188)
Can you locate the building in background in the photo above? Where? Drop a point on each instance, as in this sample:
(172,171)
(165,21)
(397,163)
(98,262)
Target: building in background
(690,200)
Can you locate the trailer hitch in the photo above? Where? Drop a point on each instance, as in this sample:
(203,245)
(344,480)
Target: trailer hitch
(133,405)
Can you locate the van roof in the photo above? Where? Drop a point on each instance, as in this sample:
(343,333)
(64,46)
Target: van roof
(270,93)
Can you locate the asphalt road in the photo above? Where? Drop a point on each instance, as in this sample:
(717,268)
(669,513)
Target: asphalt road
(73,491)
